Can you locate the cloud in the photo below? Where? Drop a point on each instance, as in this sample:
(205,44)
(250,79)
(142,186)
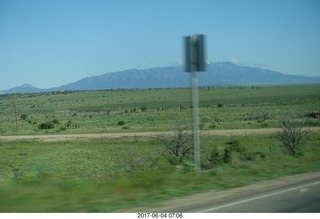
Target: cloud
(176,62)
(234,60)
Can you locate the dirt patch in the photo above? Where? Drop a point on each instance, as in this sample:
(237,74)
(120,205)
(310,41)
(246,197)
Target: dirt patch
(69,137)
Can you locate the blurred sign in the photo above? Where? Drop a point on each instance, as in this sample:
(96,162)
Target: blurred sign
(195,61)
(194,53)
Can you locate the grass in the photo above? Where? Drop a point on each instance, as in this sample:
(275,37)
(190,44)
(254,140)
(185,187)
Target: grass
(92,176)
(106,175)
(100,111)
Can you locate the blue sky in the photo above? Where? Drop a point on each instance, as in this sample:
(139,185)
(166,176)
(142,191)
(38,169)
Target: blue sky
(49,43)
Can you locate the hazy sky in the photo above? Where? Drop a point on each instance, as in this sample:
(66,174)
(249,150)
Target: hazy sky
(49,43)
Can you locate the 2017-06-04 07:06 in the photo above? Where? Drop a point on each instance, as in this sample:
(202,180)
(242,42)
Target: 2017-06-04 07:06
(160,215)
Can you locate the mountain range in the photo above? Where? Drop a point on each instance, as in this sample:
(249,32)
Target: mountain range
(217,74)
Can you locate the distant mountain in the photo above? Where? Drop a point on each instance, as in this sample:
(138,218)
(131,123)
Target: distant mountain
(219,73)
(25,88)
(166,77)
(227,73)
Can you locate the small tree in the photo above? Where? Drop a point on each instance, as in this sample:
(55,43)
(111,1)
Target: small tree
(291,137)
(177,148)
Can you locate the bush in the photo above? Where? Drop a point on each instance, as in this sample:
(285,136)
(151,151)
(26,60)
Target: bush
(211,158)
(46,125)
(144,109)
(220,105)
(234,148)
(205,119)
(63,129)
(178,148)
(137,161)
(291,137)
(121,123)
(23,116)
(55,121)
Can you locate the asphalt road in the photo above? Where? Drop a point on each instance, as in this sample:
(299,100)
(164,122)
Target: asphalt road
(290,194)
(304,197)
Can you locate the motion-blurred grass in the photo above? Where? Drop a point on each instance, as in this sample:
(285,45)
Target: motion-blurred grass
(98,176)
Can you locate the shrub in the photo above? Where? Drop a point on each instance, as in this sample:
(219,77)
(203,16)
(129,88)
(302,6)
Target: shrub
(46,125)
(220,105)
(144,109)
(121,123)
(205,119)
(23,116)
(69,124)
(227,155)
(235,146)
(211,158)
(137,161)
(178,148)
(55,121)
(234,150)
(291,137)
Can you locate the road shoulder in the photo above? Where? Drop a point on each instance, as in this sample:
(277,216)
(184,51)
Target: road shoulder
(195,201)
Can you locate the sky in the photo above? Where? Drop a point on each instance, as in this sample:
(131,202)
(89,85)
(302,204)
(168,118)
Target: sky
(49,43)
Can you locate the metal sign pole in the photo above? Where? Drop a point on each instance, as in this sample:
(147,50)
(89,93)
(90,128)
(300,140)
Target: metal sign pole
(195,113)
(195,61)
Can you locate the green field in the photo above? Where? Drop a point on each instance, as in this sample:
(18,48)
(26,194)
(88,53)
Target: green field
(106,175)
(157,109)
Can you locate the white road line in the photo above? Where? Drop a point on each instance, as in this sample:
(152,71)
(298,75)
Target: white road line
(258,197)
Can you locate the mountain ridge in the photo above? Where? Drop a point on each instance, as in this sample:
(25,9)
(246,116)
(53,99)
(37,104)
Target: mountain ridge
(217,74)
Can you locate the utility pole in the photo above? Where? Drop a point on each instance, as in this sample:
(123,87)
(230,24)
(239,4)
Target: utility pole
(16,111)
(195,61)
